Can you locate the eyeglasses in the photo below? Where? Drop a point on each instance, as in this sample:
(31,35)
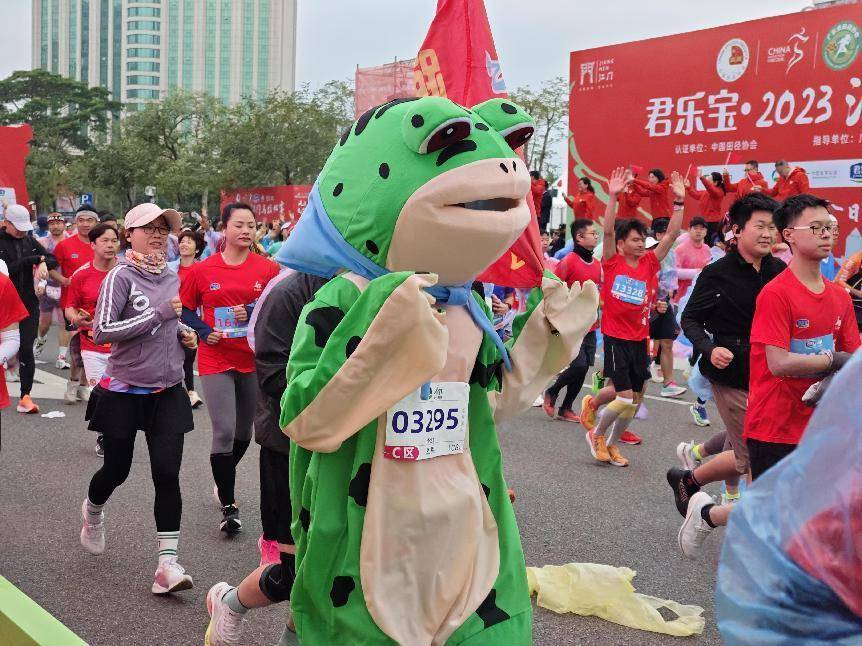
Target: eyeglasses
(818,229)
(150,229)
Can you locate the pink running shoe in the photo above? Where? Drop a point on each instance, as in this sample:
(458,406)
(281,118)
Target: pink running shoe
(269,552)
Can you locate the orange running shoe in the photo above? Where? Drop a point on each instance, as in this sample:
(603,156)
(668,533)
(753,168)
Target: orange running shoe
(616,457)
(588,413)
(548,406)
(569,416)
(598,448)
(27,406)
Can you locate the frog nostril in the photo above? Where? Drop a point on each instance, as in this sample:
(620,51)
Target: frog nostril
(504,167)
(514,166)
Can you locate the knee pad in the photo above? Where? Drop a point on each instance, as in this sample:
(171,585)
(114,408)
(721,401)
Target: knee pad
(276,582)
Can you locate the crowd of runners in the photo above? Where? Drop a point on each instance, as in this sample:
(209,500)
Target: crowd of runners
(143,307)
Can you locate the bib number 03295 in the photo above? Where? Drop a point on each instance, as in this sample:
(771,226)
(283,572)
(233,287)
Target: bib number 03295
(428,423)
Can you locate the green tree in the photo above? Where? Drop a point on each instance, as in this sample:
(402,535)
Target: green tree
(549,106)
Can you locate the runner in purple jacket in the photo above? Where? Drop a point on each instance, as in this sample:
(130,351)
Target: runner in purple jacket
(141,390)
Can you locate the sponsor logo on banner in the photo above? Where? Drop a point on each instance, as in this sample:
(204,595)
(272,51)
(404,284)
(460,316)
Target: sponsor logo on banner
(856,172)
(841,45)
(733,59)
(791,52)
(596,74)
(498,85)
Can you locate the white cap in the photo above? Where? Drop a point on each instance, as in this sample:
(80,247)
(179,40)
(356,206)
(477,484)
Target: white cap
(19,217)
(147,212)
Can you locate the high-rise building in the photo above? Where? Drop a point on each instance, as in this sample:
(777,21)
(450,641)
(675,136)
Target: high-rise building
(140,50)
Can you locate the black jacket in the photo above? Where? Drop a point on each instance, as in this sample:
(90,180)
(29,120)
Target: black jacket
(273,336)
(20,256)
(722,304)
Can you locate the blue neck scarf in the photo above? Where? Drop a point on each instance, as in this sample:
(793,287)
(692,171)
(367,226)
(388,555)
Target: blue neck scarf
(316,247)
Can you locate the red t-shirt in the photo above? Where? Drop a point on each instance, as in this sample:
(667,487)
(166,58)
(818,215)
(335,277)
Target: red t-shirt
(214,287)
(788,315)
(573,269)
(183,272)
(626,293)
(83,292)
(71,254)
(12,310)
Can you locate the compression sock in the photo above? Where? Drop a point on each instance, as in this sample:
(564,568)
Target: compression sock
(94,513)
(239,449)
(704,513)
(231,598)
(62,351)
(224,474)
(697,452)
(622,423)
(612,411)
(168,542)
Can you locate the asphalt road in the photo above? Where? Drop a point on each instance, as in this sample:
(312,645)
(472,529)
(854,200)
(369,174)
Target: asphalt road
(569,508)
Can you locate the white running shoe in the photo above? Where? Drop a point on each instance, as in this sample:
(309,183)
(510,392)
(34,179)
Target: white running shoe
(686,456)
(92,535)
(539,401)
(171,577)
(39,346)
(655,373)
(225,624)
(61,363)
(71,394)
(83,393)
(12,375)
(694,528)
(195,399)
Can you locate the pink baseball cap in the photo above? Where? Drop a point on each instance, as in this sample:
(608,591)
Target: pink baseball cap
(147,212)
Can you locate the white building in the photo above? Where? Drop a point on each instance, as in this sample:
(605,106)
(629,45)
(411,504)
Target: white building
(139,50)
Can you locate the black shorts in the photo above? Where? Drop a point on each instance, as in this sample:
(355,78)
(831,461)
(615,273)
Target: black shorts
(762,456)
(276,512)
(626,363)
(587,356)
(663,326)
(122,415)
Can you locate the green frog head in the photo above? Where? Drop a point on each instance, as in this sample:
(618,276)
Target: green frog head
(427,185)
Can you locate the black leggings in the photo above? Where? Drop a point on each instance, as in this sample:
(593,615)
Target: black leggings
(27,329)
(572,378)
(166,455)
(189,367)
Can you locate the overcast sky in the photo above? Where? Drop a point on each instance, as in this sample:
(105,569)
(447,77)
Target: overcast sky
(533,37)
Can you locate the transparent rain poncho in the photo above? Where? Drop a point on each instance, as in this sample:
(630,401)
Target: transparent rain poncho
(791,562)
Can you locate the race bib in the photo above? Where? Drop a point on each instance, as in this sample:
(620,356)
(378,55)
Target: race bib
(817,345)
(226,323)
(53,292)
(629,290)
(428,423)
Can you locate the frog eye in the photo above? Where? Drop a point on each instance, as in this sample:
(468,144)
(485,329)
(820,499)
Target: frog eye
(508,119)
(430,126)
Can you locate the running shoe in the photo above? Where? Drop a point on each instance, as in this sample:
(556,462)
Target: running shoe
(598,448)
(598,382)
(698,412)
(27,406)
(694,528)
(71,394)
(569,416)
(39,345)
(230,522)
(61,363)
(642,412)
(538,401)
(655,373)
(548,406)
(225,624)
(269,552)
(83,393)
(687,458)
(730,499)
(511,493)
(682,493)
(588,414)
(100,448)
(616,457)
(171,577)
(627,437)
(195,399)
(671,389)
(92,534)
(12,375)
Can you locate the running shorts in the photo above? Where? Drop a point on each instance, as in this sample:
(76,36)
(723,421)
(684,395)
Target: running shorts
(626,363)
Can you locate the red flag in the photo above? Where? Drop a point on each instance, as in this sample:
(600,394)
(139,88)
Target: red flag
(692,174)
(458,60)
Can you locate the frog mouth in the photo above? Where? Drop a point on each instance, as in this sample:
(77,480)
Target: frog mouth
(499,204)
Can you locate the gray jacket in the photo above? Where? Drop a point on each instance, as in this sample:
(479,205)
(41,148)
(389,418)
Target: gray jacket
(134,314)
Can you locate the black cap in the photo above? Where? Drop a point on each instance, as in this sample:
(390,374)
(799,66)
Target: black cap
(659,225)
(697,221)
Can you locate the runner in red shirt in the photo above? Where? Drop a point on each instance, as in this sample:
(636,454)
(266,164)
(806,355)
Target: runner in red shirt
(629,278)
(12,310)
(578,267)
(81,298)
(803,329)
(225,287)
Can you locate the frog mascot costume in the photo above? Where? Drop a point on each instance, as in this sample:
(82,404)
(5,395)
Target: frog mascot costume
(404,529)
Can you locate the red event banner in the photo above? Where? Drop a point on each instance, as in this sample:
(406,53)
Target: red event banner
(15,146)
(284,203)
(788,87)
